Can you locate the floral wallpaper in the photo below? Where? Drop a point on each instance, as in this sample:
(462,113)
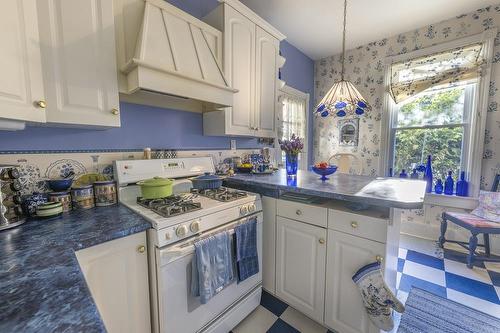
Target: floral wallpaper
(365,68)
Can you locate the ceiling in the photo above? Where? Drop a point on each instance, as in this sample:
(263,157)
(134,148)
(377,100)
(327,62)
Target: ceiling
(315,26)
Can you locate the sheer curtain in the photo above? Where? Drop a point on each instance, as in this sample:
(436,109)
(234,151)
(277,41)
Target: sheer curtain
(293,120)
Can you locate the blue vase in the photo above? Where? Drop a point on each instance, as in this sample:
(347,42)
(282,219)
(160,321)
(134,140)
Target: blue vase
(292,161)
(462,186)
(449,183)
(414,174)
(428,175)
(403,174)
(438,188)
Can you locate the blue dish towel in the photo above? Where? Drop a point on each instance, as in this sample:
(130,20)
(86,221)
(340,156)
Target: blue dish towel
(212,266)
(247,260)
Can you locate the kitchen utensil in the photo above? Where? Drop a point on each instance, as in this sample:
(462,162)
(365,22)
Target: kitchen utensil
(49,209)
(60,185)
(155,188)
(105,193)
(323,172)
(206,182)
(11,212)
(62,197)
(82,197)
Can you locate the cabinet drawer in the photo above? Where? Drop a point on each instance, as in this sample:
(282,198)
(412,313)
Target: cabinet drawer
(358,225)
(302,212)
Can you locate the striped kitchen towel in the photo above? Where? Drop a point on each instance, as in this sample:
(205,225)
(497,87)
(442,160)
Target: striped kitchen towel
(247,260)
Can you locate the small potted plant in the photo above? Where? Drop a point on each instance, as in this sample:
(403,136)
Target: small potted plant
(292,148)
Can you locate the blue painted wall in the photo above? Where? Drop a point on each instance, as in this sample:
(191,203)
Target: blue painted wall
(145,126)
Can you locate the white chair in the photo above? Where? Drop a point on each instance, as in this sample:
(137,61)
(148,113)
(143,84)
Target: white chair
(346,163)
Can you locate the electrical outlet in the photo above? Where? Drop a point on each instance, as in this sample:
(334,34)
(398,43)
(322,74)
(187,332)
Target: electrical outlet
(233,144)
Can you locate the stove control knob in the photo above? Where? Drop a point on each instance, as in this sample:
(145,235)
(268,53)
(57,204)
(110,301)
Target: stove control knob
(195,226)
(181,231)
(243,210)
(251,208)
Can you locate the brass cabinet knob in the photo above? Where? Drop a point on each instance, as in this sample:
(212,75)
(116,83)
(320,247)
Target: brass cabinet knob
(379,259)
(41,104)
(298,212)
(321,241)
(115,112)
(354,224)
(141,249)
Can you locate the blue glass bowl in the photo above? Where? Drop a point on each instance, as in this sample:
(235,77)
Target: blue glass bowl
(325,172)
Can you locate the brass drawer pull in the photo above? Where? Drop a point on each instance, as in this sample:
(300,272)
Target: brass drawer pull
(354,224)
(379,259)
(41,104)
(321,241)
(141,249)
(298,212)
(115,112)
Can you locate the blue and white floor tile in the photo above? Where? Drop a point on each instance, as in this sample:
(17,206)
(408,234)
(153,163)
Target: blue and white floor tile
(421,264)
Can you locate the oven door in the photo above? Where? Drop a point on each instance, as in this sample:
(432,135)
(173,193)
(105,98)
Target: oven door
(179,311)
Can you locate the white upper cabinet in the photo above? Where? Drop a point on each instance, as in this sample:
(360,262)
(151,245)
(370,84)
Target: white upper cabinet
(266,61)
(251,62)
(21,86)
(79,62)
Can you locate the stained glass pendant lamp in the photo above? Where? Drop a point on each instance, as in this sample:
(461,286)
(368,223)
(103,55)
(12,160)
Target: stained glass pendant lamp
(343,98)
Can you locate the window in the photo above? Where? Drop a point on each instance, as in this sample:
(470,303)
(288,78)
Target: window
(436,105)
(293,120)
(435,122)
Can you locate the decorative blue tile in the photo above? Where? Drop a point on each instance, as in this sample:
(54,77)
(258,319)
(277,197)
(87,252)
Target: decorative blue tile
(401,264)
(495,278)
(425,259)
(281,326)
(472,287)
(460,257)
(407,282)
(272,303)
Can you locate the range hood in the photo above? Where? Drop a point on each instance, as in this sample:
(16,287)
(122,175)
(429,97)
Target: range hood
(176,58)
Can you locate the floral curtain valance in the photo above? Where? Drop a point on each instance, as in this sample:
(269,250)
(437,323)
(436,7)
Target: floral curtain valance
(411,77)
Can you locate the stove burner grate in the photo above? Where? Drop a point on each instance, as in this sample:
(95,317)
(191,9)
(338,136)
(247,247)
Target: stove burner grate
(171,206)
(223,194)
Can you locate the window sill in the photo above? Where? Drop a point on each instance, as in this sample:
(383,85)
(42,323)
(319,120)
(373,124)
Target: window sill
(451,201)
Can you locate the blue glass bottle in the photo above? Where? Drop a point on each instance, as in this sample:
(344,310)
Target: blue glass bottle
(438,188)
(428,174)
(390,172)
(414,174)
(403,174)
(462,186)
(449,183)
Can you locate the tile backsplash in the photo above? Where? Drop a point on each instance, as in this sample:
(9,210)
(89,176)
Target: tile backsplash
(36,167)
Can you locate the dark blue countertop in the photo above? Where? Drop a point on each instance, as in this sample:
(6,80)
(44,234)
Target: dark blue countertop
(381,191)
(42,288)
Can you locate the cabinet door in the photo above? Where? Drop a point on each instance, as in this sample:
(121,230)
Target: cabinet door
(117,275)
(79,62)
(344,310)
(267,51)
(21,85)
(300,266)
(239,67)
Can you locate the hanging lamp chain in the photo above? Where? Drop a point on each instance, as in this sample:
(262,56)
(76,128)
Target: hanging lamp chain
(343,41)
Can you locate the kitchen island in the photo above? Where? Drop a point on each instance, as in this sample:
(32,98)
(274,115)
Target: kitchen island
(317,234)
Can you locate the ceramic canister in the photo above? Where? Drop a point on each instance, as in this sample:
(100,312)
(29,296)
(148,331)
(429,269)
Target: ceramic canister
(62,197)
(105,193)
(82,197)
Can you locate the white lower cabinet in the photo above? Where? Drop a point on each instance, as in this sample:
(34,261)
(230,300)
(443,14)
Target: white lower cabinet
(117,275)
(300,266)
(344,311)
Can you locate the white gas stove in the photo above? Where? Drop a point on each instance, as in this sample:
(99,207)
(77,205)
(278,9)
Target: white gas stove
(179,221)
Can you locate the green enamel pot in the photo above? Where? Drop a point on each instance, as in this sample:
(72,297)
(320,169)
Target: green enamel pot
(155,188)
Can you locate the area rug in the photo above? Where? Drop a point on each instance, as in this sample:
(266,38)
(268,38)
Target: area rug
(428,313)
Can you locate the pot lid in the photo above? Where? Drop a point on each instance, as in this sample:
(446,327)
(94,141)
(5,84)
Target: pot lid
(156,181)
(207,176)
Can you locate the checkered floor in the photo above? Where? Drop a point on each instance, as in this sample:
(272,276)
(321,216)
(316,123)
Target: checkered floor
(421,264)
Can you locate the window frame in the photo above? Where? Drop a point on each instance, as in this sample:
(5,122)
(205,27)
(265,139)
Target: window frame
(473,151)
(295,93)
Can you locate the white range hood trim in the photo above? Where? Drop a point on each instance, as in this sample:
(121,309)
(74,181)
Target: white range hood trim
(209,87)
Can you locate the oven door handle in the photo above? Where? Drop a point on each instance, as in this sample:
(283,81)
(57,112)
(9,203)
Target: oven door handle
(176,251)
